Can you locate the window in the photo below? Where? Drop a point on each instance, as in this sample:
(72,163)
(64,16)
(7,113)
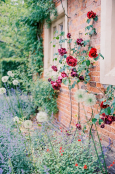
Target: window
(107,66)
(60,24)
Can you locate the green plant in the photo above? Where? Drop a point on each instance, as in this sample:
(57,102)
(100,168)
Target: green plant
(44,97)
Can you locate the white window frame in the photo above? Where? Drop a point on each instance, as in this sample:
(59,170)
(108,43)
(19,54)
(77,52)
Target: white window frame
(107,66)
(48,37)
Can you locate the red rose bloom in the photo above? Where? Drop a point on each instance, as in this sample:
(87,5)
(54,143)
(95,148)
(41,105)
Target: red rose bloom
(68,35)
(55,85)
(85,167)
(59,80)
(102,105)
(71,61)
(62,51)
(91,14)
(93,53)
(54,68)
(63,74)
(79,42)
(107,119)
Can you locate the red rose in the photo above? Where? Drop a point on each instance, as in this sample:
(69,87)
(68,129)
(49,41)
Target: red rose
(102,105)
(59,80)
(93,53)
(63,74)
(68,35)
(56,86)
(62,51)
(91,14)
(107,119)
(81,78)
(54,68)
(71,61)
(79,42)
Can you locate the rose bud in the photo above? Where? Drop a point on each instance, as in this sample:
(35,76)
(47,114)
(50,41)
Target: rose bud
(102,126)
(78,126)
(49,80)
(81,78)
(68,35)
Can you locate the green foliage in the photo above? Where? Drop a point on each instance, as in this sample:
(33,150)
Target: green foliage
(44,96)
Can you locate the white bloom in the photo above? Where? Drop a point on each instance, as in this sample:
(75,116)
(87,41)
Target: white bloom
(5,79)
(27,124)
(41,117)
(79,95)
(16,119)
(10,73)
(90,100)
(2,90)
(15,82)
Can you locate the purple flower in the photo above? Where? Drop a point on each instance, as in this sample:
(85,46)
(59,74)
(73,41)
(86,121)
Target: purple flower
(74,73)
(49,80)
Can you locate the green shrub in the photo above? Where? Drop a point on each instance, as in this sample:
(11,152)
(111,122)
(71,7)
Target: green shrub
(44,96)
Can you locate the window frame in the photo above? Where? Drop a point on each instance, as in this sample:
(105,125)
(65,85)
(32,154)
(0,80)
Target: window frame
(48,37)
(107,70)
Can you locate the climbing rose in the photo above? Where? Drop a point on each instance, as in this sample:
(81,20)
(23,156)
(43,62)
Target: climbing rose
(102,105)
(93,53)
(107,119)
(79,42)
(71,61)
(59,80)
(68,35)
(81,78)
(62,51)
(63,74)
(56,85)
(54,68)
(74,72)
(85,167)
(78,126)
(91,14)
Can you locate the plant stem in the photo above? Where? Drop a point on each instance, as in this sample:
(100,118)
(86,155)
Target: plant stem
(70,107)
(101,149)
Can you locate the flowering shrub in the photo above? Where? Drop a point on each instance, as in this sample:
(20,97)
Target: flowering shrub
(77,63)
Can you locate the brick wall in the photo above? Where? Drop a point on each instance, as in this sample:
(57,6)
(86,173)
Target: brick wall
(77,11)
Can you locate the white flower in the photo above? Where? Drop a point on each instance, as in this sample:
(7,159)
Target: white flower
(27,124)
(16,119)
(5,79)
(90,100)
(41,117)
(10,73)
(2,90)
(15,82)
(79,95)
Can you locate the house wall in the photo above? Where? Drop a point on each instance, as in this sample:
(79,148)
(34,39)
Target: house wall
(77,11)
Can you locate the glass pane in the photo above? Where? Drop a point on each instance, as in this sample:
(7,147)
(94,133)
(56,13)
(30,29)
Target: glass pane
(60,30)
